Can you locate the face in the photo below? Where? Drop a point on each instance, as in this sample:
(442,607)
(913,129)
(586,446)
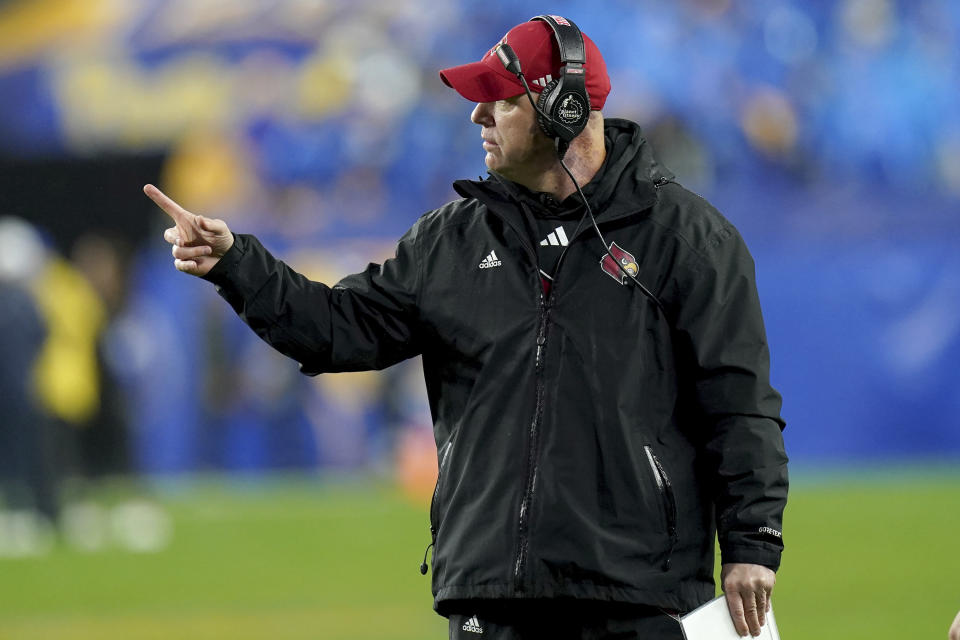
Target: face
(516,149)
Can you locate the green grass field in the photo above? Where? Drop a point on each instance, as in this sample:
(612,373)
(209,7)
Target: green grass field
(872,555)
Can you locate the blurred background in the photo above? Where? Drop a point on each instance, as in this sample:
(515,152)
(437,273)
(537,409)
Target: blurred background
(164,473)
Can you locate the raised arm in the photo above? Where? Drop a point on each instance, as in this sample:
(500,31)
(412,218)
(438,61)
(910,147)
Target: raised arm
(368,320)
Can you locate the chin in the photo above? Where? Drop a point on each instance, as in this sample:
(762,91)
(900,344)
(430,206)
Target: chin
(493,166)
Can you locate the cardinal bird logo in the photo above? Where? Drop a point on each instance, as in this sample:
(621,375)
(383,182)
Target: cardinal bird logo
(627,263)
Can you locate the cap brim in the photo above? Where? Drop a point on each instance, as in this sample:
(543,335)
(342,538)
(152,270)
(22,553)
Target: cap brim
(477,82)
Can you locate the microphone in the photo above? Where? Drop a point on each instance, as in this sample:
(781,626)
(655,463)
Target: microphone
(509,59)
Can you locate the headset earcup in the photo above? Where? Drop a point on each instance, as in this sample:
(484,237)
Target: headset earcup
(545,102)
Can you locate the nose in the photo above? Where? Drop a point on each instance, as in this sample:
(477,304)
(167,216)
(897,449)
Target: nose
(482,114)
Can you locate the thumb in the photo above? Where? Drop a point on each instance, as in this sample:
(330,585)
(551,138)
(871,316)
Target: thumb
(213,225)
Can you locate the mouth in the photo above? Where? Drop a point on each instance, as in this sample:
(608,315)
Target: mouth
(489,143)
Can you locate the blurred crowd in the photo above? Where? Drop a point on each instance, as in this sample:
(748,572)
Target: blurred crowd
(330,116)
(322,127)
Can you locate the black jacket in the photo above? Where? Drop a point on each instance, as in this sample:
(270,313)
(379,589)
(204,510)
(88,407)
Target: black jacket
(590,443)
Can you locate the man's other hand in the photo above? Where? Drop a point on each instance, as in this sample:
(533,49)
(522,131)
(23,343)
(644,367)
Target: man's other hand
(198,242)
(747,588)
(955,628)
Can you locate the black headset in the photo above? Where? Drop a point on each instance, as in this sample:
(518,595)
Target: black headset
(564,105)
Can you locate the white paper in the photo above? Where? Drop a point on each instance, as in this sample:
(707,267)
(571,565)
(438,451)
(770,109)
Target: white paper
(712,622)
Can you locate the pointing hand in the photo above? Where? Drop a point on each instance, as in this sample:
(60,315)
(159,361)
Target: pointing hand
(198,242)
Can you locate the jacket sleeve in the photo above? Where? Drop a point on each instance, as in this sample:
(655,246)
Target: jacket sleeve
(720,332)
(366,321)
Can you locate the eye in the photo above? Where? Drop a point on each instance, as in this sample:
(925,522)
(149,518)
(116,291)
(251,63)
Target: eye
(508,105)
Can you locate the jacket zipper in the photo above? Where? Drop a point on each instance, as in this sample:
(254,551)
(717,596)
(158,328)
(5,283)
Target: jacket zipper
(533,446)
(534,431)
(433,504)
(667,499)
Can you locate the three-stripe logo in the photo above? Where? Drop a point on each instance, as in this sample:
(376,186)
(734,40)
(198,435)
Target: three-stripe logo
(543,81)
(556,238)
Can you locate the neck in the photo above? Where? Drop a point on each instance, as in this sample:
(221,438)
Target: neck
(584,167)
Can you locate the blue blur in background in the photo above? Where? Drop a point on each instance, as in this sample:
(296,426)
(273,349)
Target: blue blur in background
(828,132)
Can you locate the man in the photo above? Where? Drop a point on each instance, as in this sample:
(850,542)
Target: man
(601,408)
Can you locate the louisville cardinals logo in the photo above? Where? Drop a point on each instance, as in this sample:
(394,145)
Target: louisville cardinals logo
(627,263)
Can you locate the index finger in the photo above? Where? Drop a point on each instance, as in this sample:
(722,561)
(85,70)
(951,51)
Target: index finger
(175,211)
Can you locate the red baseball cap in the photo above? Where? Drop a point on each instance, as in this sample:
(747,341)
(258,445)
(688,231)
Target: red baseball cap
(539,54)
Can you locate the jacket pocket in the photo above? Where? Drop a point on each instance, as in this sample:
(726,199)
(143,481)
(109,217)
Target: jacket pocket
(434,501)
(667,500)
(444,454)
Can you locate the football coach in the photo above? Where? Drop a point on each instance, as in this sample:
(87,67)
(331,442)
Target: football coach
(594,354)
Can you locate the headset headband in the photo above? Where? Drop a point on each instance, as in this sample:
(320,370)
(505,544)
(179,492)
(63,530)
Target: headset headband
(568,36)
